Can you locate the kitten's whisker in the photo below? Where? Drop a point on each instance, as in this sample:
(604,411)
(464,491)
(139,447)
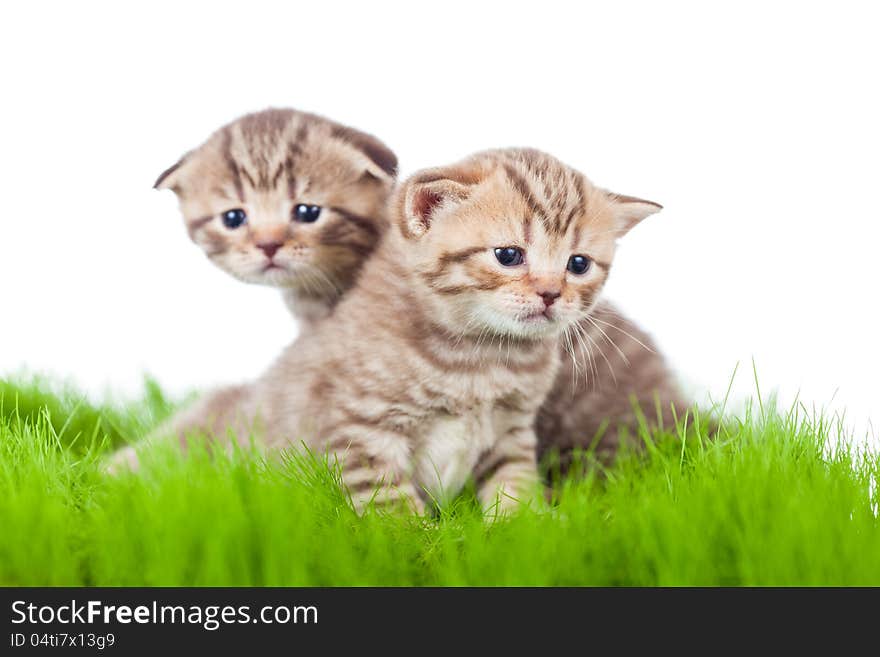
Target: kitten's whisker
(569,350)
(585,350)
(602,353)
(322,277)
(610,341)
(630,335)
(581,333)
(475,352)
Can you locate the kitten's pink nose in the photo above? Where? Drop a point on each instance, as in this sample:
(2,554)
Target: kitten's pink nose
(269,248)
(549,297)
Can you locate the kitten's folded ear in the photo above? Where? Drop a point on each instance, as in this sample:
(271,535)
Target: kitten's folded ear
(629,210)
(381,162)
(430,193)
(168,179)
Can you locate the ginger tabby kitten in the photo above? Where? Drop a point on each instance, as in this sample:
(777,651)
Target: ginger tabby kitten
(432,369)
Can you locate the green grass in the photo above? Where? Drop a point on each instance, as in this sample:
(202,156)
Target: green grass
(767,503)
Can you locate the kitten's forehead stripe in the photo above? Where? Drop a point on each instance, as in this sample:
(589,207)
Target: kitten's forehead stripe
(302,132)
(293,152)
(278,173)
(231,163)
(260,133)
(575,237)
(251,182)
(579,206)
(563,189)
(265,126)
(522,187)
(543,177)
(265,150)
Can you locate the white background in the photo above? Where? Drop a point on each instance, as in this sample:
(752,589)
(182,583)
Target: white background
(755,125)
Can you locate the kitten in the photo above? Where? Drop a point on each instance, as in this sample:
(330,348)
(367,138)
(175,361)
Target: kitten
(287,199)
(432,369)
(281,198)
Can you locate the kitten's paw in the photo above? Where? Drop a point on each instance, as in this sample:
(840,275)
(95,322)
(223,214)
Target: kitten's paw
(122,460)
(504,504)
(390,499)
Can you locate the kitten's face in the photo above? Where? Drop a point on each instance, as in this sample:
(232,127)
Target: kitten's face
(512,243)
(286,199)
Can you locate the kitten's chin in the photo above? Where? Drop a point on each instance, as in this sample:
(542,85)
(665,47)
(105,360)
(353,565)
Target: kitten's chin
(277,276)
(272,277)
(537,326)
(284,275)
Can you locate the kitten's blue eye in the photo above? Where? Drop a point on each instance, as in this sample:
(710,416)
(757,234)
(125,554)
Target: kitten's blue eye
(578,264)
(307,213)
(234,218)
(509,256)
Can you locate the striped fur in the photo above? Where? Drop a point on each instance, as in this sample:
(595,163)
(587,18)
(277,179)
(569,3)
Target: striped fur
(430,372)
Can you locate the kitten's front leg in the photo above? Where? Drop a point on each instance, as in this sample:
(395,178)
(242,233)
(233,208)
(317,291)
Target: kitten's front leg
(376,469)
(507,476)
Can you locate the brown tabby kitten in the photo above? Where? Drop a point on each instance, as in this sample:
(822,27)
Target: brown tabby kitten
(281,198)
(287,199)
(432,369)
